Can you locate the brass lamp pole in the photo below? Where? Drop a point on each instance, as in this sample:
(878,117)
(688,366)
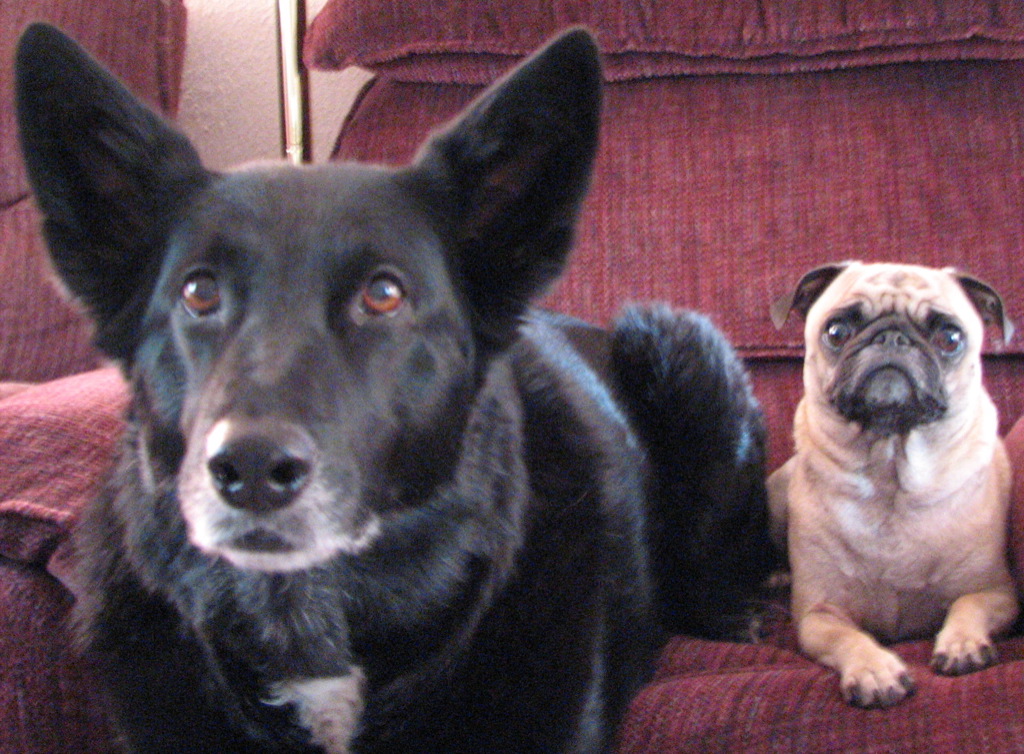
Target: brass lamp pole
(293,90)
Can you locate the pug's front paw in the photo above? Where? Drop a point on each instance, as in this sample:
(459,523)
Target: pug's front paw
(877,678)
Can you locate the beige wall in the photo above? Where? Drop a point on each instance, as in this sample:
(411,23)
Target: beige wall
(230,103)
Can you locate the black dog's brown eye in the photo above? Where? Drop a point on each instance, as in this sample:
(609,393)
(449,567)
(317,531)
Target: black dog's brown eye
(949,339)
(382,295)
(200,294)
(837,334)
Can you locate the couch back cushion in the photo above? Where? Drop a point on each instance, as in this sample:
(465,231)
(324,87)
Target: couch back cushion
(887,130)
(143,41)
(473,41)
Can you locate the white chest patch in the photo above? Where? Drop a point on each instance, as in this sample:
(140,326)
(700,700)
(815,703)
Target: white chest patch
(328,707)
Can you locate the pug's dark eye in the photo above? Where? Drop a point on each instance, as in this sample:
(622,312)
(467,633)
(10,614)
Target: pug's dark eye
(837,333)
(949,340)
(200,295)
(383,295)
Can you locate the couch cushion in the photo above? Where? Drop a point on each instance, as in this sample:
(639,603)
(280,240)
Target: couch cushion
(48,702)
(1015,450)
(720,697)
(718,192)
(42,335)
(472,41)
(58,441)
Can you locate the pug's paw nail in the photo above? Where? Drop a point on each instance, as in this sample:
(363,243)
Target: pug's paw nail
(853,696)
(907,682)
(964,654)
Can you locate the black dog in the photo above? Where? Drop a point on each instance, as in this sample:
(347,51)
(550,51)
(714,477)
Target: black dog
(369,500)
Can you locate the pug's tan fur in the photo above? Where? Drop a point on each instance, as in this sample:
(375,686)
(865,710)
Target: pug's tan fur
(896,535)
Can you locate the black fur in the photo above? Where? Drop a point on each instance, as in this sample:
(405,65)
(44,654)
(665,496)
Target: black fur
(354,448)
(693,408)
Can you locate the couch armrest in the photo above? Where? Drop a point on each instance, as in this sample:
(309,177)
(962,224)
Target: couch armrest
(57,440)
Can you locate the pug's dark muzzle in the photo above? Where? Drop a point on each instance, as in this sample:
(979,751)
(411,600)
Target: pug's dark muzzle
(889,379)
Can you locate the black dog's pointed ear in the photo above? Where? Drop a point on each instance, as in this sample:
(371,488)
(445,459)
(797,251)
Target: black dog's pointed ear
(108,174)
(516,166)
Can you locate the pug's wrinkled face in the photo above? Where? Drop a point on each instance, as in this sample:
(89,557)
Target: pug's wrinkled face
(893,347)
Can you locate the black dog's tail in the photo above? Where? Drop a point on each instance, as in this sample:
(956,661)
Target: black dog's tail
(691,404)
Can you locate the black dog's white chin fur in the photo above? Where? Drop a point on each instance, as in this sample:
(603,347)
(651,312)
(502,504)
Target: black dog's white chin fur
(284,561)
(300,537)
(322,522)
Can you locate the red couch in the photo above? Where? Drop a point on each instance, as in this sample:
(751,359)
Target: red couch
(744,141)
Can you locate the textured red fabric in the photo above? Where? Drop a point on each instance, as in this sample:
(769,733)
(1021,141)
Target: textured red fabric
(1015,449)
(718,192)
(58,441)
(755,184)
(41,336)
(469,41)
(721,697)
(46,701)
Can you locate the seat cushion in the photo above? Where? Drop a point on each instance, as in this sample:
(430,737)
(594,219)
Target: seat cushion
(710,697)
(48,702)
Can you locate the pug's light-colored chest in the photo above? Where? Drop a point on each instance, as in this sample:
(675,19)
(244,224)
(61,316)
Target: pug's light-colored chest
(877,570)
(891,549)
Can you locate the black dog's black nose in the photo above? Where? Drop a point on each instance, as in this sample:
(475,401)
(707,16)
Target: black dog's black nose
(261,469)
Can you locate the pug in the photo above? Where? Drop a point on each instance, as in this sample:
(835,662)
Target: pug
(894,505)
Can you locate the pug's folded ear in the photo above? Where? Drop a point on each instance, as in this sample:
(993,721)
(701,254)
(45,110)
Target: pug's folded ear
(806,292)
(988,303)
